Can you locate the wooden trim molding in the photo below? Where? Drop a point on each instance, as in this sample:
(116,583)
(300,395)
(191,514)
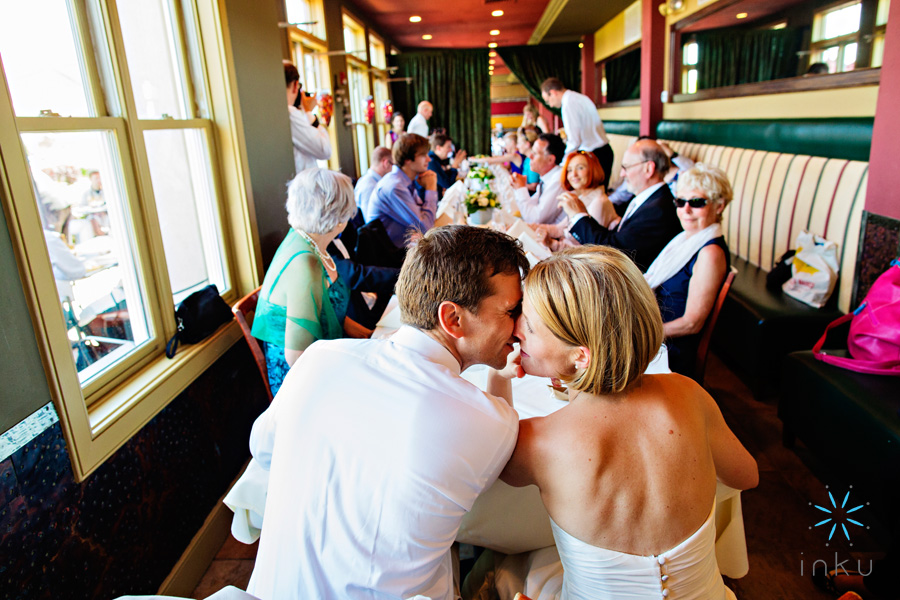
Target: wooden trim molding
(618,103)
(857,78)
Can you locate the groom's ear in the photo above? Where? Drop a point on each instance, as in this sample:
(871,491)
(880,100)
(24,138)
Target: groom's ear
(450,319)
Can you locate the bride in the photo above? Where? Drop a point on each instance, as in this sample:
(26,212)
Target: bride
(627,470)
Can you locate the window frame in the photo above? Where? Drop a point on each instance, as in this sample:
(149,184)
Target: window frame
(100,417)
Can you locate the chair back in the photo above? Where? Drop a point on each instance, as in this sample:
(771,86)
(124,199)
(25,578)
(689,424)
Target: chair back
(706,332)
(243,313)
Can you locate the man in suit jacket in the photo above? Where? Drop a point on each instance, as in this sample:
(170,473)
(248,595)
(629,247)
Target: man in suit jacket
(648,223)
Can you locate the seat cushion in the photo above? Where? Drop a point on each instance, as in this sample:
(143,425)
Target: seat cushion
(757,327)
(849,420)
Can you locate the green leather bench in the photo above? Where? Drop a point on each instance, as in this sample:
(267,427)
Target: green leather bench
(850,421)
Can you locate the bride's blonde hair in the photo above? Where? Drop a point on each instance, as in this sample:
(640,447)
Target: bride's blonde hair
(595,296)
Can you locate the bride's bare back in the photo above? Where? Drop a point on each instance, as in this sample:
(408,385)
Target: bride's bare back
(635,472)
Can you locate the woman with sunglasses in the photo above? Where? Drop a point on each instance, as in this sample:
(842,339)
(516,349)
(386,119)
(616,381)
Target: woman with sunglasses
(688,273)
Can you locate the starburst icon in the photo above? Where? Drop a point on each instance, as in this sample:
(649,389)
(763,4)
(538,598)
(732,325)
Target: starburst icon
(838,515)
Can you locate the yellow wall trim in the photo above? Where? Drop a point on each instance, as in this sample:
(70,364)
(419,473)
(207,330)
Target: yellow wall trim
(817,104)
(620,113)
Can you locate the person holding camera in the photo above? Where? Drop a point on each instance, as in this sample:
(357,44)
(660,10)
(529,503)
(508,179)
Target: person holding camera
(309,137)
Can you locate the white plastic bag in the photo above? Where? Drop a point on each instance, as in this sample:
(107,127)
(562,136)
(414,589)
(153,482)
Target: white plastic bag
(814,270)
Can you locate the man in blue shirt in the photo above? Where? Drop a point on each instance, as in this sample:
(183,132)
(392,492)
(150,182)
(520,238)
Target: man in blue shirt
(381,166)
(446,169)
(396,201)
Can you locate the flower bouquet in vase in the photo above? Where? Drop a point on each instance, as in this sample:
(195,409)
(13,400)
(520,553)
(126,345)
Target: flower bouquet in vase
(480,204)
(479,178)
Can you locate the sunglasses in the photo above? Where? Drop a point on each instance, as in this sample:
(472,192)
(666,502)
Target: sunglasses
(692,202)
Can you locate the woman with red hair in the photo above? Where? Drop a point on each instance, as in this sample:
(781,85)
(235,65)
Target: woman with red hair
(582,176)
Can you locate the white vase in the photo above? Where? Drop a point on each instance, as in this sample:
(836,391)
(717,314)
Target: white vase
(481,217)
(476,185)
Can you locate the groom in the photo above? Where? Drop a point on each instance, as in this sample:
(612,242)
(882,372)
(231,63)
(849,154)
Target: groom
(377,448)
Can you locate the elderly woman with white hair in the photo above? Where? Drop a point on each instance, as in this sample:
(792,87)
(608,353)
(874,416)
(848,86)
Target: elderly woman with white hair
(689,272)
(302,298)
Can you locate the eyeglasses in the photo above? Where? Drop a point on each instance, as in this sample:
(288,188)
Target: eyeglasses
(626,167)
(692,202)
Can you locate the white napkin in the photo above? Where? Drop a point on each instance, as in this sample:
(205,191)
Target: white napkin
(391,317)
(534,252)
(519,227)
(449,209)
(247,498)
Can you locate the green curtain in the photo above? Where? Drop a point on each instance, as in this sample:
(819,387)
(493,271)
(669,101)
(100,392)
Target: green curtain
(623,77)
(457,84)
(729,57)
(533,64)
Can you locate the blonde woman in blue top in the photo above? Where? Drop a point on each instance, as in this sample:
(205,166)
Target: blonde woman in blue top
(302,298)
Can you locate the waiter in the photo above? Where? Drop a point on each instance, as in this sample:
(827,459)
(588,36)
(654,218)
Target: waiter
(584,129)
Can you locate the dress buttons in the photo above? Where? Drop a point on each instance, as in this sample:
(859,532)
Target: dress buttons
(662,560)
(665,577)
(665,593)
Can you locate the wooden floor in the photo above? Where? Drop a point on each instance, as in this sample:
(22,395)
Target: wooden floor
(779,515)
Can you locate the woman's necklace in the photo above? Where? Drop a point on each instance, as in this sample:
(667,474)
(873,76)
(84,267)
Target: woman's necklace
(327,261)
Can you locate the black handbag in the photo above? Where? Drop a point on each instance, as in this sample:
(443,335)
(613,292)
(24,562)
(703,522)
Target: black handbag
(197,317)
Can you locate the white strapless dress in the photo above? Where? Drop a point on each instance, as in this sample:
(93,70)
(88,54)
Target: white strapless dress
(686,572)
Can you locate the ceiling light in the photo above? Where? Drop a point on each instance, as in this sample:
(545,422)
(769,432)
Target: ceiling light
(492,54)
(495,32)
(492,45)
(581,44)
(742,15)
(415,19)
(492,62)
(497,13)
(427,36)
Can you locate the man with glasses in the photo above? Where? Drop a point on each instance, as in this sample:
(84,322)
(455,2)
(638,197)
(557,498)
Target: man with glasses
(648,222)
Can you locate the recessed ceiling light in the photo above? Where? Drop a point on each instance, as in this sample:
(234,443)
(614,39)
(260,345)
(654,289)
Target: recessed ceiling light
(742,15)
(497,13)
(492,62)
(492,54)
(581,44)
(495,32)
(492,45)
(415,19)
(427,36)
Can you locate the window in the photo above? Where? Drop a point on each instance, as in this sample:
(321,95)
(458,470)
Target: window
(835,38)
(309,51)
(114,185)
(690,55)
(358,72)
(378,60)
(881,17)
(307,16)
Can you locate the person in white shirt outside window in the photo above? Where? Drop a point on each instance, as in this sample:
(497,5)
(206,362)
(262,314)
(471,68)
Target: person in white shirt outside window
(419,123)
(542,207)
(584,129)
(376,449)
(309,137)
(381,166)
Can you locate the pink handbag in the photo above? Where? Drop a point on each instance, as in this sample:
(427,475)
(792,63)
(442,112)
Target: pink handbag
(874,340)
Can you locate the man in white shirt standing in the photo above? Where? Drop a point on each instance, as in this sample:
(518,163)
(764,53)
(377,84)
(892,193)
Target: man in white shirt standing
(376,449)
(584,129)
(419,123)
(381,166)
(309,137)
(542,207)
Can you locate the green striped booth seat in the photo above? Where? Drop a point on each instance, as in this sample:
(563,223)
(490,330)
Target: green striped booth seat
(777,195)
